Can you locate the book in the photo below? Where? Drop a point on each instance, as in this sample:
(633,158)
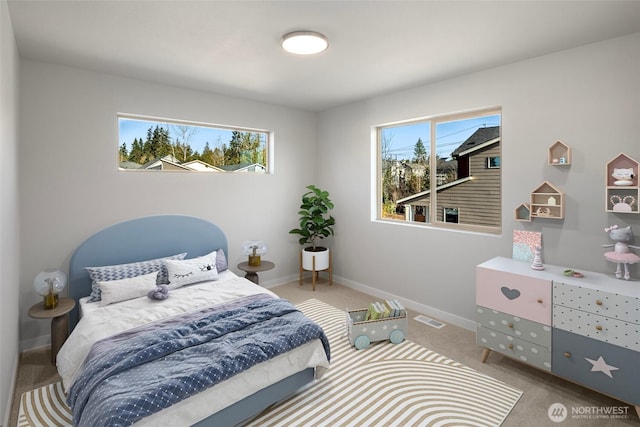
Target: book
(393,311)
(386,312)
(373,311)
(401,310)
(382,310)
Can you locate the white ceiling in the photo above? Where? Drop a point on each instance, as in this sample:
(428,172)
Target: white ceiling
(232,47)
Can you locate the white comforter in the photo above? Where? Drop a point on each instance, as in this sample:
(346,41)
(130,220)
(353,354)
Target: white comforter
(101,322)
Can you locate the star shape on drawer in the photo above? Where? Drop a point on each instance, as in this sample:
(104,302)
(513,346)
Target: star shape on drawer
(601,366)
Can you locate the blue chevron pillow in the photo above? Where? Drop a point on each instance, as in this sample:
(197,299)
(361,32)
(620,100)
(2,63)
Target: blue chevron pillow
(127,271)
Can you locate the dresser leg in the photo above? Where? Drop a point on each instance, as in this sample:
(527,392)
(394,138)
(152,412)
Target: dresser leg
(485,355)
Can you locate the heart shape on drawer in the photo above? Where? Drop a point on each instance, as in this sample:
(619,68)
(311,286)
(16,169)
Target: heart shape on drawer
(510,293)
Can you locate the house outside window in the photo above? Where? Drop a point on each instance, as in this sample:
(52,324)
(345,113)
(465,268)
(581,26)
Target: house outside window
(152,144)
(443,171)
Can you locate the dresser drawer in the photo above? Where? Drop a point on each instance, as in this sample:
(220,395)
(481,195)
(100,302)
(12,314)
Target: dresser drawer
(614,369)
(527,330)
(601,328)
(523,296)
(608,304)
(516,348)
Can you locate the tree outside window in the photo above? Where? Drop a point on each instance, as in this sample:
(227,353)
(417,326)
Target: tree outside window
(148,144)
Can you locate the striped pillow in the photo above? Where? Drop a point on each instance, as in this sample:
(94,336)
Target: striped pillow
(127,271)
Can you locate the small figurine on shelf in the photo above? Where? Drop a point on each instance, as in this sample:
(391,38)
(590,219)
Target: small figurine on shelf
(622,204)
(623,176)
(621,254)
(537,259)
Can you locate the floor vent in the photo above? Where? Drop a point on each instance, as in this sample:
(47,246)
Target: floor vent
(431,322)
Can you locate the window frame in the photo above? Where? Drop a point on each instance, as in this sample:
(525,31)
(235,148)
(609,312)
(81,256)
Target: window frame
(432,211)
(268,143)
(492,164)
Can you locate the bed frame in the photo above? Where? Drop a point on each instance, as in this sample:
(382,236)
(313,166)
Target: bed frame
(158,236)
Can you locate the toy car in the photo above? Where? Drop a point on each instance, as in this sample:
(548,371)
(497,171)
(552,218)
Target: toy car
(362,332)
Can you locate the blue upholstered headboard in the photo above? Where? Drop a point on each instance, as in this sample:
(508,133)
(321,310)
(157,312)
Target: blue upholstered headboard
(141,239)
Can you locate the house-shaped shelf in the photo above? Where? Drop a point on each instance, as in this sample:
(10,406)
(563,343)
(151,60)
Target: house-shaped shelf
(547,201)
(622,185)
(523,212)
(559,154)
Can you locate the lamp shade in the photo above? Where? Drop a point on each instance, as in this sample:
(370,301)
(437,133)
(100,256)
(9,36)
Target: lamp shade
(49,284)
(254,249)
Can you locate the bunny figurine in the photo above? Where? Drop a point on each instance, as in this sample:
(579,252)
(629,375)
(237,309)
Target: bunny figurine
(621,254)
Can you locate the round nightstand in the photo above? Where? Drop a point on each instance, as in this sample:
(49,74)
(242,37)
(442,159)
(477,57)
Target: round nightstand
(59,322)
(252,270)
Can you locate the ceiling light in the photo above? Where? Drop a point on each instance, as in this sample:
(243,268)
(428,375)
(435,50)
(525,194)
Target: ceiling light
(304,42)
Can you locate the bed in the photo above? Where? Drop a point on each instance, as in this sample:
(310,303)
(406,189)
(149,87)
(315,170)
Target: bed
(225,403)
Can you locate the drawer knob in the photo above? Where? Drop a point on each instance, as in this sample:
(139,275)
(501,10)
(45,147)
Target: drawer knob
(510,346)
(598,302)
(599,327)
(510,325)
(539,300)
(567,354)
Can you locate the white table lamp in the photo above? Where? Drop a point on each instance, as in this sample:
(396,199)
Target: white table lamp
(49,284)
(254,249)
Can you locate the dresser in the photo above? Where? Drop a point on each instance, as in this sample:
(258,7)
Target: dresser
(584,329)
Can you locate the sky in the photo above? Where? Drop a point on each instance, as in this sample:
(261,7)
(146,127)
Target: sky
(449,135)
(131,129)
(403,138)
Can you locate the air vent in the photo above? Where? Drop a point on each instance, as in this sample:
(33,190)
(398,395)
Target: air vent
(431,322)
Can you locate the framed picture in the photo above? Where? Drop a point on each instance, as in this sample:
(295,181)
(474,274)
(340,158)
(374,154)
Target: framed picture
(525,243)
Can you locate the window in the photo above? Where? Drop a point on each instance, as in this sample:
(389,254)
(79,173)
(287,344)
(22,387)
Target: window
(451,215)
(493,162)
(442,171)
(149,144)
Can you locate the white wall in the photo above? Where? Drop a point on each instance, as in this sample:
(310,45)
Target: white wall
(9,245)
(70,186)
(585,97)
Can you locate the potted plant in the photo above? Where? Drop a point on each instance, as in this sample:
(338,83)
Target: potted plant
(315,224)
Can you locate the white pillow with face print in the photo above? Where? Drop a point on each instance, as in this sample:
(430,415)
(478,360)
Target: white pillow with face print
(194,270)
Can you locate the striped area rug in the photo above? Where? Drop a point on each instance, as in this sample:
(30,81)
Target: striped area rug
(390,385)
(384,385)
(44,407)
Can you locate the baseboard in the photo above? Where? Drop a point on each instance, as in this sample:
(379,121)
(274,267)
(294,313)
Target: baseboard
(12,391)
(421,308)
(33,343)
(279,281)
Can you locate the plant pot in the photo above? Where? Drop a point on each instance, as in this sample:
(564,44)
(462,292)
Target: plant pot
(321,256)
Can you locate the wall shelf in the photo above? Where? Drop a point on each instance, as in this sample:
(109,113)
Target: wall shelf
(559,154)
(622,186)
(547,201)
(523,213)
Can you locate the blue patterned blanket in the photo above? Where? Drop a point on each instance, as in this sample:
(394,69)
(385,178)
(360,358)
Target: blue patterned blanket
(144,370)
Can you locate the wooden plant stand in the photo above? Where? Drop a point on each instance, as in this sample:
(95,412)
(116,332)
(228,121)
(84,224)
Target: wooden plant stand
(314,272)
